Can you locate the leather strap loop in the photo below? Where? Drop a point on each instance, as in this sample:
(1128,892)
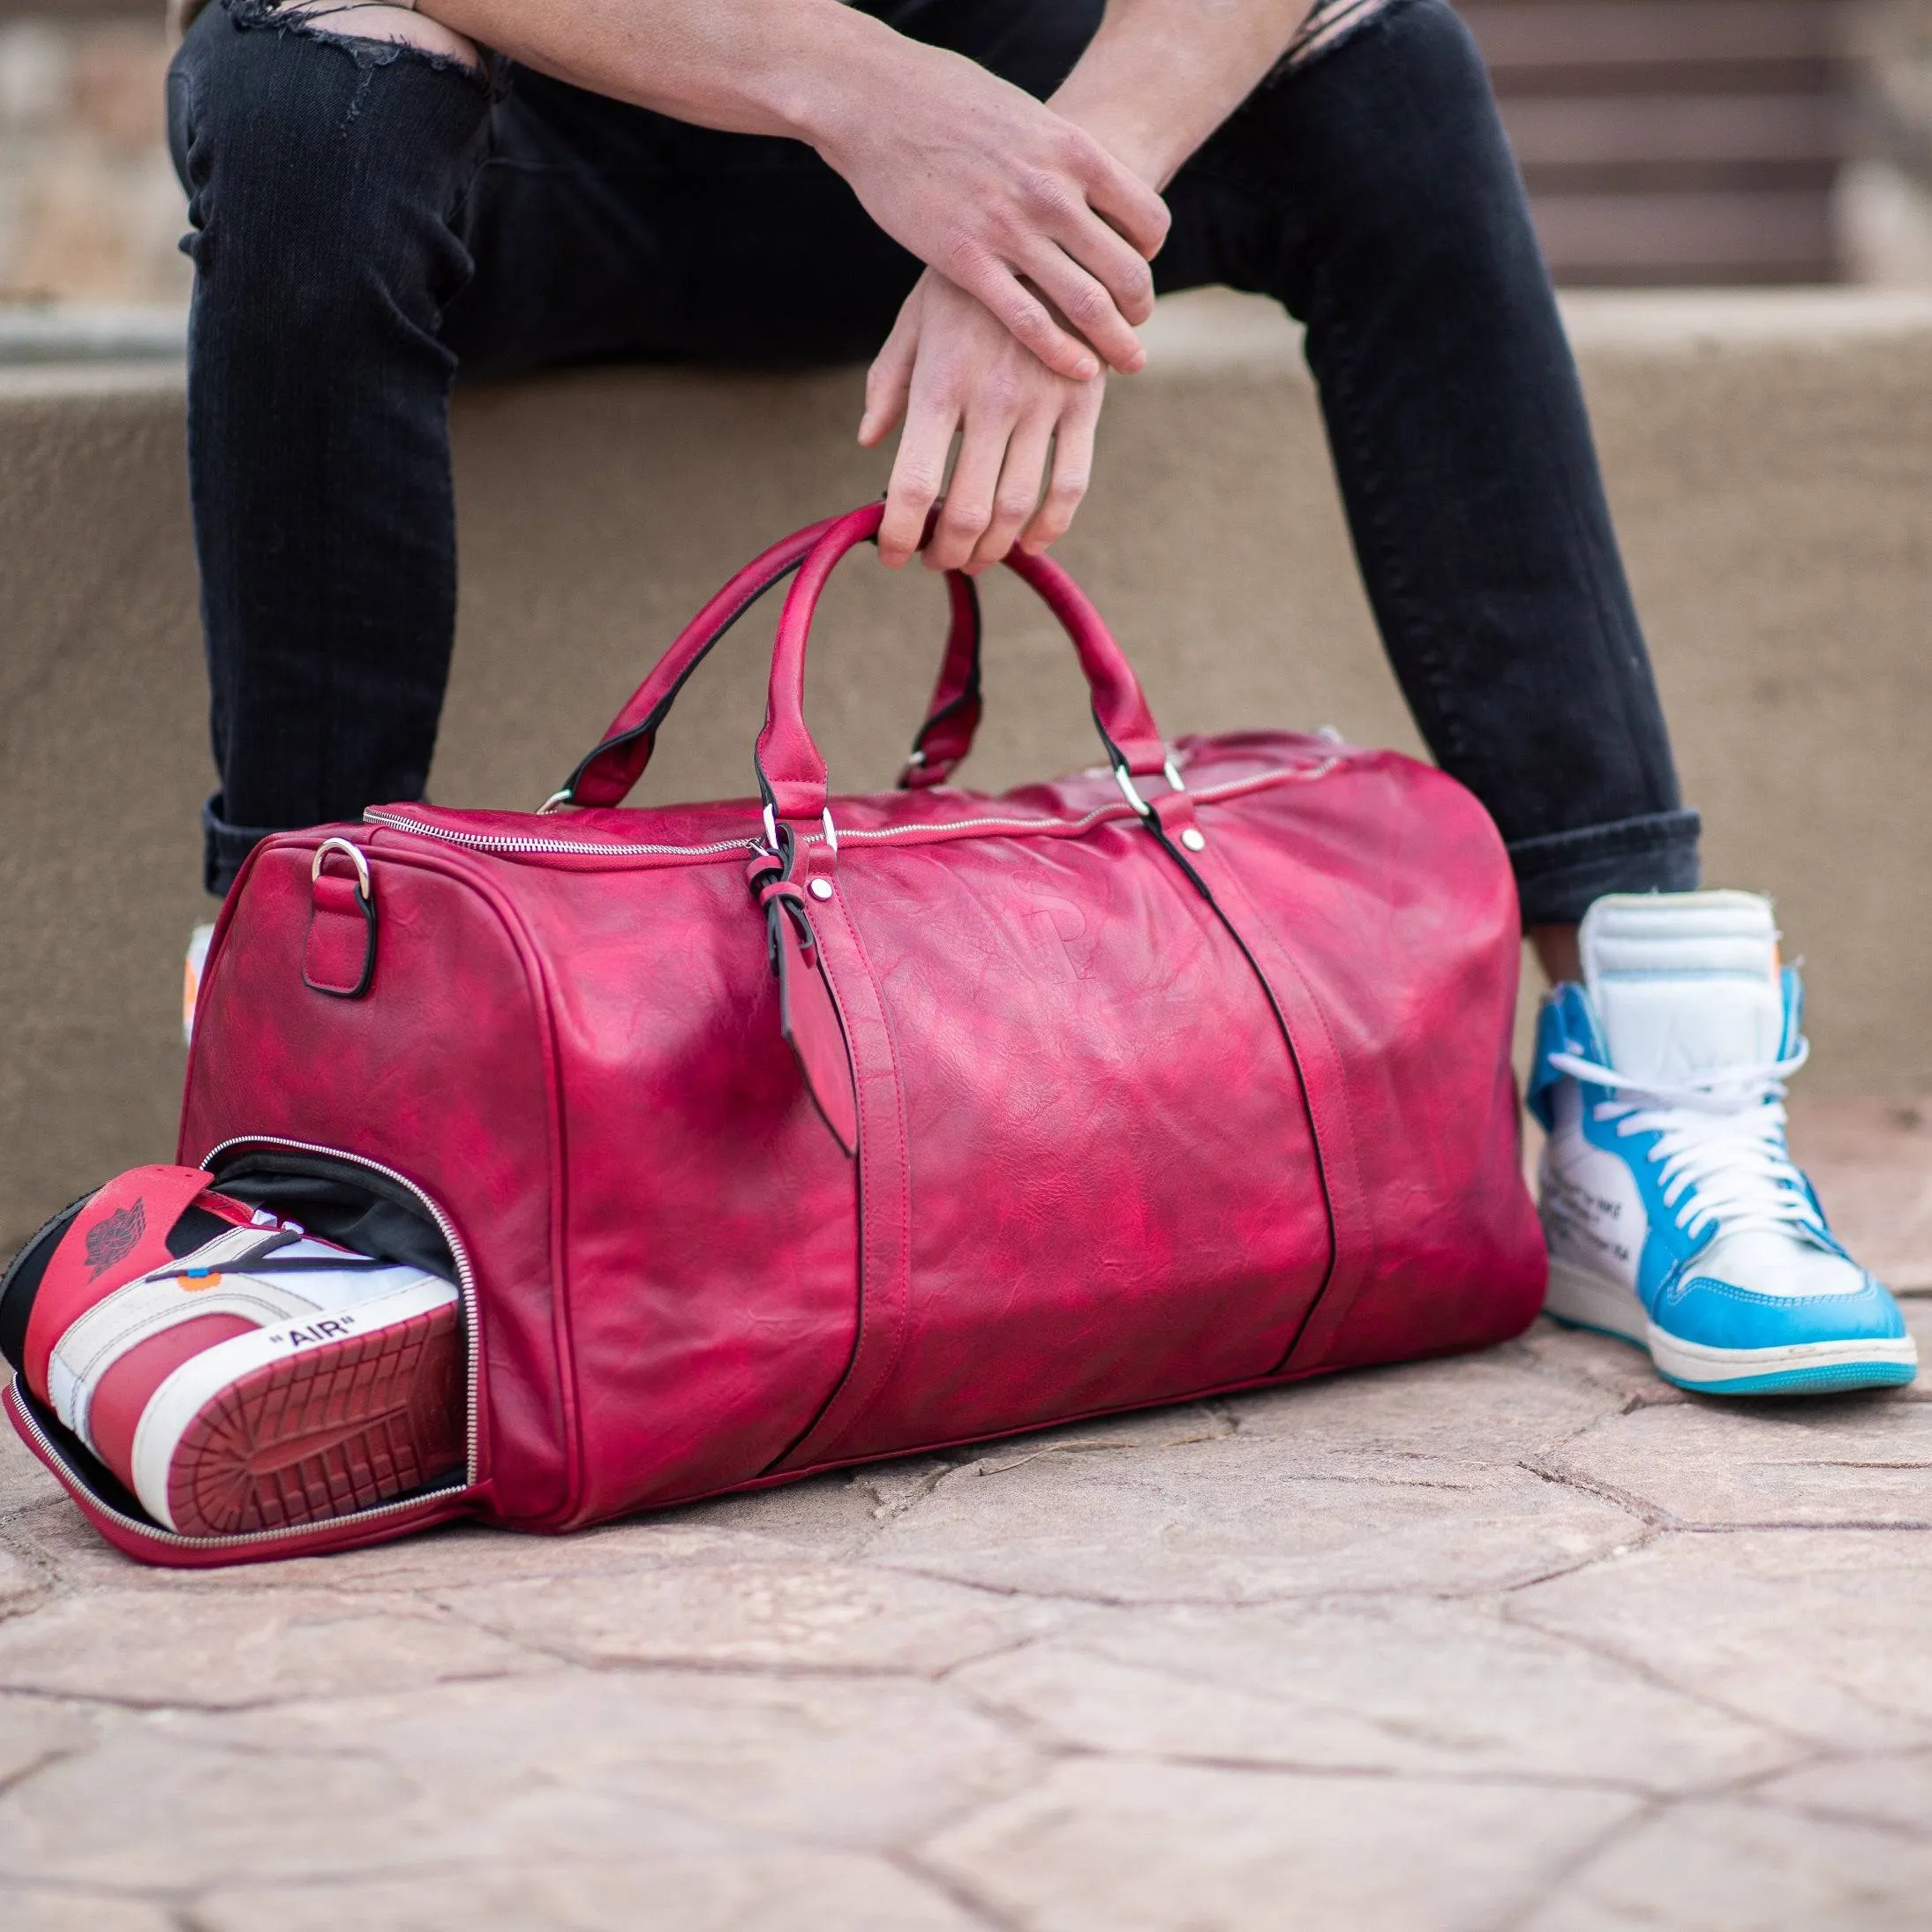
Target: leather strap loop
(787,890)
(339,956)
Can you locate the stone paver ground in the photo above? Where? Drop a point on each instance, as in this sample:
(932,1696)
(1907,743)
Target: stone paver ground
(1524,1642)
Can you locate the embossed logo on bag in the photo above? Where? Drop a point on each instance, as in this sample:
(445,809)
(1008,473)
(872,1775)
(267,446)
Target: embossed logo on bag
(113,1239)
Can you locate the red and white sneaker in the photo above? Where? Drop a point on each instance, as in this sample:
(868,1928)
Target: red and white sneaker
(235,1372)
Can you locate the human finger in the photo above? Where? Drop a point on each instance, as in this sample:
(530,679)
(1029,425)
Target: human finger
(1125,202)
(918,472)
(889,381)
(1107,255)
(1072,469)
(968,507)
(1084,302)
(1018,492)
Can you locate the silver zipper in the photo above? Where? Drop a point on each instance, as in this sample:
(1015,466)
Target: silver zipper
(466,1282)
(515,842)
(511,842)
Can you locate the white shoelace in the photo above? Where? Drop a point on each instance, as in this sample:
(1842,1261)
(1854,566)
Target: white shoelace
(1720,1144)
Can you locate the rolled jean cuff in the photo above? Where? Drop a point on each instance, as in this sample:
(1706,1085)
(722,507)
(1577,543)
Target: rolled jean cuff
(224,846)
(1558,874)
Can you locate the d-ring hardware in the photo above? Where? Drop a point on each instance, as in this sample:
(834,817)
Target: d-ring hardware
(772,830)
(355,855)
(1129,790)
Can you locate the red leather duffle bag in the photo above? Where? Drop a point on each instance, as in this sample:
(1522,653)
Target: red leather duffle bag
(770,1136)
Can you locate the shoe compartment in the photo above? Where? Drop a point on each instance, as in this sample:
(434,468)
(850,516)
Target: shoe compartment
(341,1199)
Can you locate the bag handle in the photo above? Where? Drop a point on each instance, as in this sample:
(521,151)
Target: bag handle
(952,718)
(791,775)
(607,774)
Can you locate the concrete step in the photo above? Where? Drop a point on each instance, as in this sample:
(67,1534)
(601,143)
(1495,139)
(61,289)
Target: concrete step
(1770,457)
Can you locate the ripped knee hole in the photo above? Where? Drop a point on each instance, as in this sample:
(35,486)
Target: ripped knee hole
(373,21)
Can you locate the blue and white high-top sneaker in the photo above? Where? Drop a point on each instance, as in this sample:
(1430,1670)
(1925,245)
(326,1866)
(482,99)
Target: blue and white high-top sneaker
(1674,1215)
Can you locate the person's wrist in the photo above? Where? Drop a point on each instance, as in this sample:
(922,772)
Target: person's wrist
(847,78)
(1138,144)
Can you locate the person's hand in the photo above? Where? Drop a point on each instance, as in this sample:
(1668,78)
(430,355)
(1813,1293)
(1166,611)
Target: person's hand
(1008,199)
(1009,202)
(948,365)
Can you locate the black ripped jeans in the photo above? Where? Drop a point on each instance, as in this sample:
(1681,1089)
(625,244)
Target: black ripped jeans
(368,222)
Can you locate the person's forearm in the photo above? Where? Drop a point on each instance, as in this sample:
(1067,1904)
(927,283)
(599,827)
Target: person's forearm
(787,67)
(1161,75)
(1026,212)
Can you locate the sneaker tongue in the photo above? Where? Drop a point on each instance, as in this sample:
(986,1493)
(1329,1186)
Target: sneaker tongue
(1684,984)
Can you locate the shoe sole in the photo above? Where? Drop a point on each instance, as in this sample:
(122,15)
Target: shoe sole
(1579,1299)
(275,1429)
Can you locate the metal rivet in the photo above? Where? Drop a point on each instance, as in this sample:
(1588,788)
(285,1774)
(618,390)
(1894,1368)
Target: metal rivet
(1193,840)
(820,889)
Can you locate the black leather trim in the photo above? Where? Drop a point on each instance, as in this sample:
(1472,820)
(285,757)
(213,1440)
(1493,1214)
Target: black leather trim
(648,730)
